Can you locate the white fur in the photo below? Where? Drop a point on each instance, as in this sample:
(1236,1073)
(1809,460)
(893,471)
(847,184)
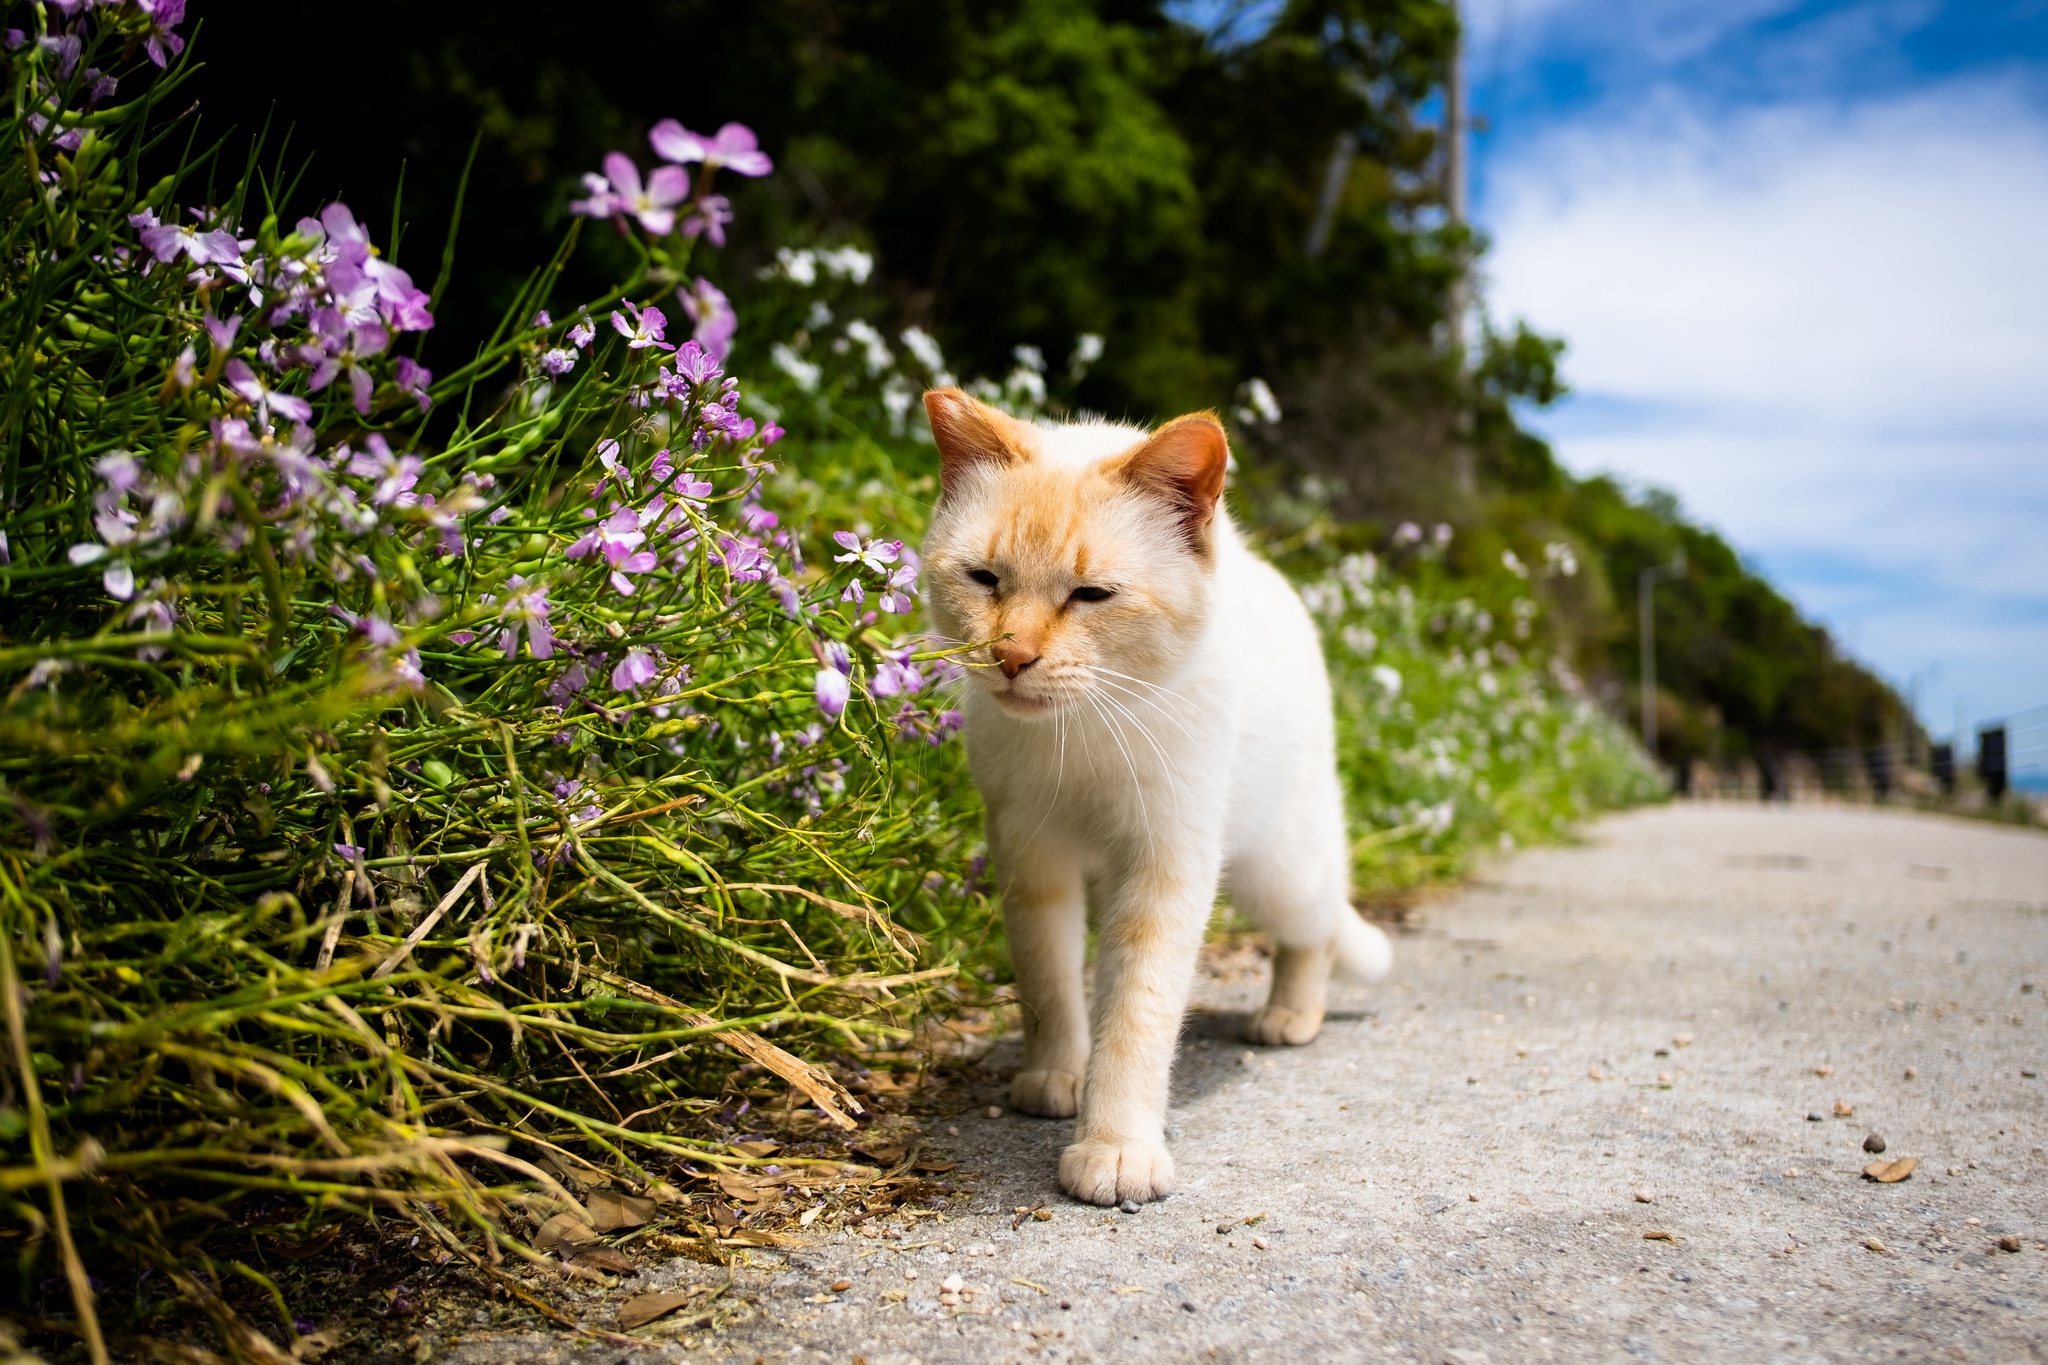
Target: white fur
(1132,770)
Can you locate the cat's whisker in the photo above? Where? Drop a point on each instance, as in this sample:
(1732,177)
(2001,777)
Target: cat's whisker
(1166,763)
(1151,702)
(1059,775)
(1157,687)
(1116,733)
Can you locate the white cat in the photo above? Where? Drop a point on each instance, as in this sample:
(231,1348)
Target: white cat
(1151,719)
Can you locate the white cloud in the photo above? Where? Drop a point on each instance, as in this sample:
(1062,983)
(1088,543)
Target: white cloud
(1826,327)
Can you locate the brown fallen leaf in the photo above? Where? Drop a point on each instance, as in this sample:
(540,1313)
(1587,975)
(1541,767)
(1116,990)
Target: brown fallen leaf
(744,1188)
(930,1166)
(760,1148)
(1659,1235)
(598,1257)
(314,1345)
(1891,1172)
(642,1309)
(563,1227)
(610,1210)
(882,1153)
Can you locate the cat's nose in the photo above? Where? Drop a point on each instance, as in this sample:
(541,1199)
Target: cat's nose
(1014,658)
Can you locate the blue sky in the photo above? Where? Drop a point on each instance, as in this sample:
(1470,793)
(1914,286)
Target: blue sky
(1800,254)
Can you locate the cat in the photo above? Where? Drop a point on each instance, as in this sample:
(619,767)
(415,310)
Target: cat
(1147,717)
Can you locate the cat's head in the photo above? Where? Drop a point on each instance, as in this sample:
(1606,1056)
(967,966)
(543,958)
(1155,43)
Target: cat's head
(1080,557)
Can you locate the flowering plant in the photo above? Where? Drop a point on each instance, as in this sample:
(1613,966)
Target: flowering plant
(370,736)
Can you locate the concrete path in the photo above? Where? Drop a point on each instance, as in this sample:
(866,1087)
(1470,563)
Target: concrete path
(1653,1033)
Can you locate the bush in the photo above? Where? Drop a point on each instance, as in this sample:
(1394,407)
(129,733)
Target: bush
(385,755)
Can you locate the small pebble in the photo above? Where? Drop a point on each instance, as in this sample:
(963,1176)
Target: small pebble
(1259,1242)
(1844,1110)
(1222,1228)
(1816,1118)
(1644,1198)
(841,1286)
(910,1274)
(1129,1206)
(994,1111)
(2010,1243)
(953,1284)
(1912,1073)
(1873,1144)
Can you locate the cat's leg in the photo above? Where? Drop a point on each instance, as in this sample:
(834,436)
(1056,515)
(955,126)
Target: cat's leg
(1149,930)
(1045,917)
(1292,884)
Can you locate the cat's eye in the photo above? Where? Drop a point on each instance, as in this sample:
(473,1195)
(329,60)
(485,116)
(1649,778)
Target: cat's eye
(985,577)
(1092,594)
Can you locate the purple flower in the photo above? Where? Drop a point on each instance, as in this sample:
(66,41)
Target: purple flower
(618,538)
(637,669)
(897,676)
(164,15)
(708,216)
(896,597)
(645,329)
(854,592)
(744,560)
(833,692)
(614,468)
(876,554)
(351,852)
(757,518)
(184,370)
(167,241)
(733,146)
(696,365)
(580,335)
(557,362)
(346,241)
(525,607)
(838,656)
(395,475)
(412,379)
(541,321)
(266,400)
(573,680)
(712,313)
(601,201)
(221,335)
(654,206)
(342,349)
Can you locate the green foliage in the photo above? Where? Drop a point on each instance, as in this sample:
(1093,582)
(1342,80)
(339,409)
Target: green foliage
(371,777)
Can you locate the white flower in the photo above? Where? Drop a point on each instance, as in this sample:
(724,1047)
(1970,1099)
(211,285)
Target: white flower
(803,372)
(1389,679)
(875,352)
(925,347)
(801,267)
(848,263)
(1259,406)
(1030,357)
(896,400)
(1512,562)
(1025,389)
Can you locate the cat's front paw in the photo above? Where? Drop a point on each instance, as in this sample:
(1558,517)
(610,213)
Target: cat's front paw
(1110,1172)
(1048,1094)
(1277,1024)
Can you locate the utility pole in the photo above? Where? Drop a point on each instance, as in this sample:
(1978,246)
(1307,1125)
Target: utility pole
(1646,586)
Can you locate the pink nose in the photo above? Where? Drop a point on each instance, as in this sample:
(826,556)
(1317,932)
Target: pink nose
(1014,658)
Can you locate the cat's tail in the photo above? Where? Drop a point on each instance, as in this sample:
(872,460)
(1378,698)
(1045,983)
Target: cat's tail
(1363,953)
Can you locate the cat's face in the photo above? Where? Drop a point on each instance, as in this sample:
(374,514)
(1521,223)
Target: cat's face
(1078,558)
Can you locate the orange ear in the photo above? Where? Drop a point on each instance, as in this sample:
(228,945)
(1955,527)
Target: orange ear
(969,432)
(1184,463)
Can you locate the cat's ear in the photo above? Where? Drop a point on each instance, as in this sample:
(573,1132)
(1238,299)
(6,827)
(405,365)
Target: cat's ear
(1184,462)
(969,432)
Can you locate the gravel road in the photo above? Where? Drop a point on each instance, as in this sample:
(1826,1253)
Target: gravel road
(1599,1111)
